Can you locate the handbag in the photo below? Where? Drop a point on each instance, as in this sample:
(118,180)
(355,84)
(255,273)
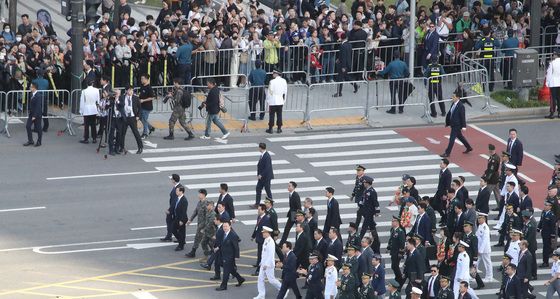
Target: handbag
(222,104)
(244,57)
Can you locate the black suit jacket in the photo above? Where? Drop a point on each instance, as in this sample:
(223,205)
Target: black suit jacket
(345,56)
(295,205)
(228,203)
(172,200)
(525,266)
(516,152)
(257,232)
(135,105)
(289,267)
(36,105)
(513,200)
(526,204)
(181,210)
(302,248)
(264,167)
(336,249)
(444,183)
(435,285)
(333,216)
(459,222)
(321,247)
(414,266)
(457,118)
(230,247)
(482,200)
(512,290)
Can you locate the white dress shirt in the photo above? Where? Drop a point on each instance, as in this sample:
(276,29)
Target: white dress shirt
(277,92)
(89,100)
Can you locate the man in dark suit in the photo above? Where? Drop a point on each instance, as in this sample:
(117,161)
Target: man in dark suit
(413,266)
(432,285)
(344,65)
(335,246)
(459,218)
(180,217)
(463,290)
(262,220)
(224,215)
(515,148)
(483,197)
(444,183)
(512,286)
(320,245)
(302,247)
(512,199)
(364,261)
(378,277)
(530,234)
(431,45)
(333,213)
(295,206)
(227,200)
(35,107)
(132,113)
(423,225)
(526,203)
(289,272)
(215,257)
(264,174)
(170,212)
(456,120)
(229,251)
(524,268)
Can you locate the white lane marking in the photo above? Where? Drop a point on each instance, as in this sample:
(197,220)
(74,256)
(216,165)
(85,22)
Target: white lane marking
(77,244)
(346,144)
(399,179)
(336,135)
(22,209)
(364,152)
(340,198)
(218,165)
(148,227)
(101,175)
(236,174)
(505,143)
(375,160)
(252,182)
(203,157)
(433,141)
(391,169)
(456,140)
(274,191)
(143,295)
(199,148)
(486,157)
(150,144)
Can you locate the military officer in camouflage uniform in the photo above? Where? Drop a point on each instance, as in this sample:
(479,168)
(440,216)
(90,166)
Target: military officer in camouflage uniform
(200,214)
(393,289)
(492,172)
(365,291)
(530,234)
(175,97)
(395,247)
(444,292)
(358,192)
(346,284)
(209,231)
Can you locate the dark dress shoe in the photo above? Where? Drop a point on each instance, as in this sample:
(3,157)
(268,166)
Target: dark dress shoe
(279,131)
(178,248)
(165,239)
(356,87)
(444,155)
(255,265)
(84,141)
(37,144)
(557,156)
(94,141)
(152,129)
(252,118)
(240,282)
(337,95)
(479,287)
(434,115)
(401,111)
(550,116)
(205,266)
(391,111)
(544,266)
(499,245)
(253,206)
(221,289)
(269,131)
(215,278)
(28,143)
(255,274)
(139,151)
(468,151)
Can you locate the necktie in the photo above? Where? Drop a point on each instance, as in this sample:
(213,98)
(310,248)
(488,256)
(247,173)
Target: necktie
(176,204)
(430,286)
(510,145)
(225,236)
(507,197)
(453,109)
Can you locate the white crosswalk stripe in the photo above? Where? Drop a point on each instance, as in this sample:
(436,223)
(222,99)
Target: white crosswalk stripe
(315,162)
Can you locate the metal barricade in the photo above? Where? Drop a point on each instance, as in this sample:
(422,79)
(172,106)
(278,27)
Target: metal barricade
(16,106)
(378,57)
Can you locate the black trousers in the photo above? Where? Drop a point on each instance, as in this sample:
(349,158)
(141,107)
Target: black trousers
(115,135)
(275,110)
(369,224)
(288,284)
(131,123)
(257,95)
(555,99)
(506,74)
(230,268)
(36,128)
(395,88)
(179,232)
(489,64)
(456,133)
(260,185)
(435,91)
(103,127)
(359,216)
(546,250)
(395,260)
(169,223)
(342,77)
(286,233)
(89,123)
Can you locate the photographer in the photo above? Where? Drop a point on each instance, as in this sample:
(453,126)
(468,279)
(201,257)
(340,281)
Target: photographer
(176,102)
(213,106)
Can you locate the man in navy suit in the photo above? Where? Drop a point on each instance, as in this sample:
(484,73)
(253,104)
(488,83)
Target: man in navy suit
(227,200)
(222,213)
(320,245)
(378,277)
(512,286)
(170,212)
(35,107)
(456,120)
(515,148)
(180,217)
(262,220)
(344,65)
(333,214)
(524,267)
(335,247)
(511,197)
(295,206)
(423,225)
(229,251)
(264,174)
(432,285)
(431,45)
(444,183)
(483,197)
(289,272)
(526,203)
(302,247)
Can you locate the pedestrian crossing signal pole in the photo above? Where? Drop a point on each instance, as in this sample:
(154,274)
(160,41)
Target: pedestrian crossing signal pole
(77,48)
(412,38)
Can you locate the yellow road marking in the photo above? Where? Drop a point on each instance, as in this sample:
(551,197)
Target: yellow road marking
(168,277)
(189,269)
(196,287)
(248,256)
(42,294)
(133,283)
(89,289)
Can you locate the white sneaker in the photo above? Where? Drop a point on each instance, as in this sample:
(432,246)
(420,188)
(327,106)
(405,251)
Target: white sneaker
(204,137)
(225,135)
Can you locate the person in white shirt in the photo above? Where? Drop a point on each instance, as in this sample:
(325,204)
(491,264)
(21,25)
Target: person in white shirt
(553,82)
(331,276)
(513,248)
(267,264)
(276,98)
(89,101)
(462,272)
(554,282)
(412,211)
(510,177)
(483,236)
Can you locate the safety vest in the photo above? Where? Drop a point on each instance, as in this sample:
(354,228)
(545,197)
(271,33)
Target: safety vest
(488,47)
(434,72)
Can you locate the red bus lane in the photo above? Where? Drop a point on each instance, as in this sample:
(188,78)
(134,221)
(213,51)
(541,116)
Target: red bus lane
(534,171)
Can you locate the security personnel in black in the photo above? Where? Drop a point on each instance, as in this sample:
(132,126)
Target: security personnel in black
(547,227)
(530,234)
(433,73)
(395,246)
(346,284)
(486,45)
(358,192)
(370,208)
(470,238)
(353,237)
(445,292)
(422,251)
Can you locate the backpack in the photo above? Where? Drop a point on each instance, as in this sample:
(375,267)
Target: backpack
(186,99)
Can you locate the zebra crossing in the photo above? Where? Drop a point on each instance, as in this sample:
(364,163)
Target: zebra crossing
(315,162)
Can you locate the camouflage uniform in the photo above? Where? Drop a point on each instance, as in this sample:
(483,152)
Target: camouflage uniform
(178,112)
(209,232)
(200,212)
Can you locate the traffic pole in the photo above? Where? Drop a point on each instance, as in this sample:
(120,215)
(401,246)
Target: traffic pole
(77,68)
(412,38)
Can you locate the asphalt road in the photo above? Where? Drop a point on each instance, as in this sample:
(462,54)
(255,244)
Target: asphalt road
(74,225)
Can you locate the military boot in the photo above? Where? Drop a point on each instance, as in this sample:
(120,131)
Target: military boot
(170,137)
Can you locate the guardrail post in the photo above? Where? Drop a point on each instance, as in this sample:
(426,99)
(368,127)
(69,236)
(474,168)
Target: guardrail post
(366,110)
(306,116)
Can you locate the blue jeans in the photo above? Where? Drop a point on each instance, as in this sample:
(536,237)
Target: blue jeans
(144,114)
(214,118)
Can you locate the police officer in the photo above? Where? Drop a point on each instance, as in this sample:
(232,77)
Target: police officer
(176,104)
(433,73)
(358,192)
(530,234)
(393,287)
(444,292)
(487,45)
(395,246)
(347,283)
(370,208)
(314,275)
(365,291)
(547,226)
(200,214)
